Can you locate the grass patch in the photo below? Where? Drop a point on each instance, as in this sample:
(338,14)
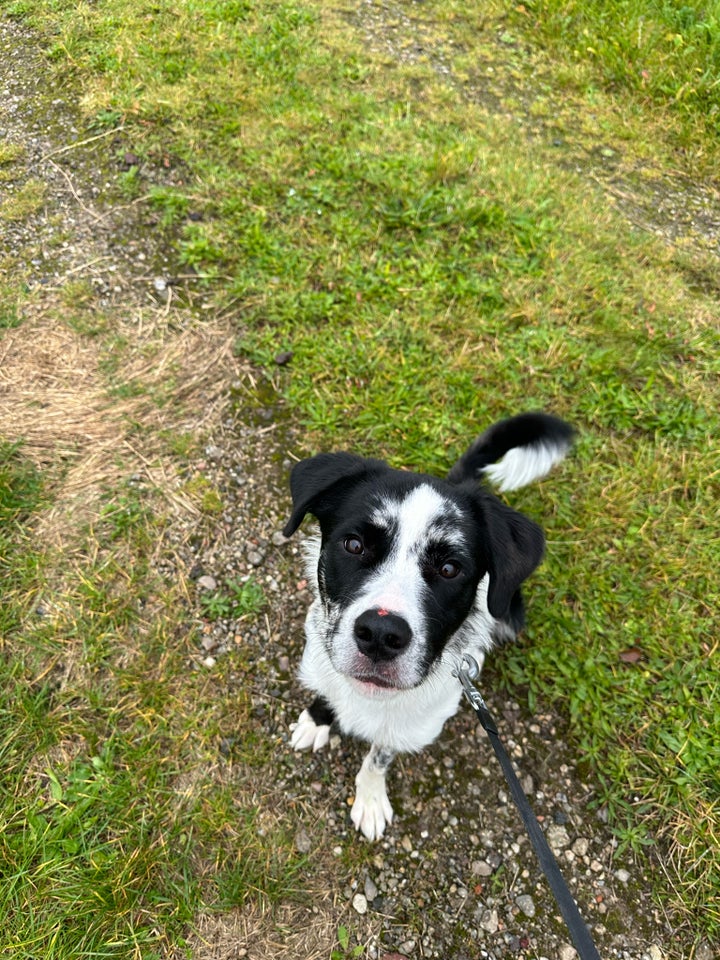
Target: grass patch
(430,272)
(21,493)
(116,827)
(26,200)
(664,52)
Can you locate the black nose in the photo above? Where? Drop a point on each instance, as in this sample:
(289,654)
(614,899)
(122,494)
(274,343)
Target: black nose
(381,636)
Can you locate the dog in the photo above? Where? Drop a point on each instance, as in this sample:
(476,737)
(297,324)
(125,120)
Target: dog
(409,572)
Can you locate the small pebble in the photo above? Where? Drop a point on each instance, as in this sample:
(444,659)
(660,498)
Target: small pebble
(526,904)
(303,843)
(371,890)
(566,952)
(207,582)
(557,837)
(581,847)
(360,904)
(490,921)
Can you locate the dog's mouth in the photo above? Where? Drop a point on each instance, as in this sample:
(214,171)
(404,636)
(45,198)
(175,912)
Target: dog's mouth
(377,681)
(374,683)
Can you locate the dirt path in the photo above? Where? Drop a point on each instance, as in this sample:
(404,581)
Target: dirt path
(455,877)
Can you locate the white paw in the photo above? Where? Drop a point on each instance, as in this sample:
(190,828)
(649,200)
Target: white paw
(306,733)
(371,811)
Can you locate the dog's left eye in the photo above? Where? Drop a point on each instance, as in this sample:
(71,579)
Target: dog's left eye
(354,545)
(449,570)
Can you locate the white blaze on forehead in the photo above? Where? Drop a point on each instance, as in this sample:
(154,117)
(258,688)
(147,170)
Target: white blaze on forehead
(415,522)
(418,519)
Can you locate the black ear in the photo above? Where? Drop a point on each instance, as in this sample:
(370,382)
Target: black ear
(318,483)
(515,548)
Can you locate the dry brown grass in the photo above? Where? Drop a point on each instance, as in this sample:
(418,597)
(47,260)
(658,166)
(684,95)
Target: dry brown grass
(256,934)
(81,427)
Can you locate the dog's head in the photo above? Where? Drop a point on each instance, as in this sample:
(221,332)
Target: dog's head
(404,561)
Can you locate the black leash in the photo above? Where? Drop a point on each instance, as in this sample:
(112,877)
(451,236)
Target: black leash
(579,932)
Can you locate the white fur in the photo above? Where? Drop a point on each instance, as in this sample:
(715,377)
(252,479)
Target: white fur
(306,733)
(522,465)
(371,811)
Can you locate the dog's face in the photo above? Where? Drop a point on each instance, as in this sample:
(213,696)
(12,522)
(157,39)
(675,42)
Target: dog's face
(401,559)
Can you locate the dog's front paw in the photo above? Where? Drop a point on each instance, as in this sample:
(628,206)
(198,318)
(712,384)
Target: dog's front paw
(307,734)
(371,811)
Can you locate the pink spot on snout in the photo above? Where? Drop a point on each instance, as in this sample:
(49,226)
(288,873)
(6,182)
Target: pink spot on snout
(382,612)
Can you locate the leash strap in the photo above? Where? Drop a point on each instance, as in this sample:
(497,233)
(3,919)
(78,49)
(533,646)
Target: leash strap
(565,901)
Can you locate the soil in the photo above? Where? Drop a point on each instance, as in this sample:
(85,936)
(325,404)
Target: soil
(454,877)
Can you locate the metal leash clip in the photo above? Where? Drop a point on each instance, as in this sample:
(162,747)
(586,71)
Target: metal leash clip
(467,672)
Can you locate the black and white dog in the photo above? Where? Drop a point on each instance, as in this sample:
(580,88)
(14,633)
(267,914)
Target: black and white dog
(409,572)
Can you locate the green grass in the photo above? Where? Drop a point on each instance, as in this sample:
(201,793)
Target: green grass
(107,848)
(664,52)
(430,273)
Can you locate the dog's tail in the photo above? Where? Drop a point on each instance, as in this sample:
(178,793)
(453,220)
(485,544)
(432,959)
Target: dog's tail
(516,451)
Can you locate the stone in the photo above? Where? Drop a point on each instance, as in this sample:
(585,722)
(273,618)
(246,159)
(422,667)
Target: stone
(526,904)
(371,890)
(490,921)
(207,582)
(481,868)
(303,843)
(566,952)
(581,847)
(360,904)
(622,875)
(557,837)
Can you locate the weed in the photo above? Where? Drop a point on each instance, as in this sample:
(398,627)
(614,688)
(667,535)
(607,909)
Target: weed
(172,204)
(204,495)
(10,153)
(238,599)
(345,951)
(130,183)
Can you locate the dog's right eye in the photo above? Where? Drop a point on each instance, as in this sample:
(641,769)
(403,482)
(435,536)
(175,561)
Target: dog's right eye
(354,545)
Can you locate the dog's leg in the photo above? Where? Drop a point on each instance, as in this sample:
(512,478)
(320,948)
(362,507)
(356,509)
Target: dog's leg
(313,726)
(371,810)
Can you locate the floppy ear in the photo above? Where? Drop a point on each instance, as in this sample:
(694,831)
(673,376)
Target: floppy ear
(515,548)
(318,483)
